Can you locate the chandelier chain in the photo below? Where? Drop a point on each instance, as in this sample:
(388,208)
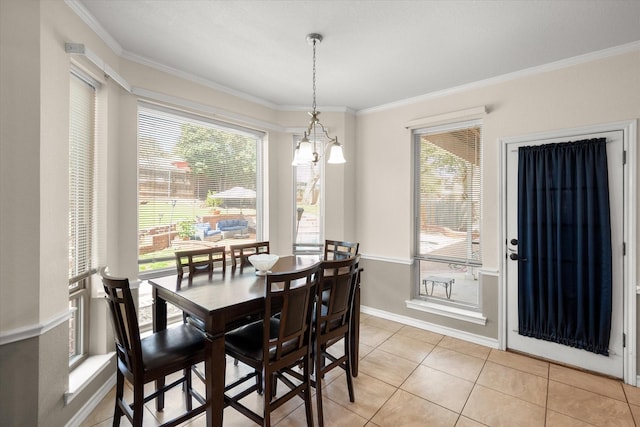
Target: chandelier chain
(314,76)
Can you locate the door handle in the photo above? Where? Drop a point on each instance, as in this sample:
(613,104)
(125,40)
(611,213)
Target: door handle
(514,257)
(514,242)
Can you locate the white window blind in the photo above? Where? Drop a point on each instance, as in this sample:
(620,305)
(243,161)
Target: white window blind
(81,176)
(448,196)
(308,192)
(82,199)
(192,173)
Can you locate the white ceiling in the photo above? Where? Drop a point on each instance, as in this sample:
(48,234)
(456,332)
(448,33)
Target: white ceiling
(374,52)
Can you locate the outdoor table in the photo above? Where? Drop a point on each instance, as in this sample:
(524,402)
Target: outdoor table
(221,301)
(447,282)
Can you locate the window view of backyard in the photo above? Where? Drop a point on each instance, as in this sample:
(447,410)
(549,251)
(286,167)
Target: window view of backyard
(308,233)
(448,205)
(198,185)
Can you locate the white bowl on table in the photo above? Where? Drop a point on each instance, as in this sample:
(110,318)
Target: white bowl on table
(263,263)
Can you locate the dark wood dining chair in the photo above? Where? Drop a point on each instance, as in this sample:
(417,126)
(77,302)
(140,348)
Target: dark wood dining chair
(338,281)
(335,249)
(277,347)
(197,261)
(203,260)
(143,360)
(240,253)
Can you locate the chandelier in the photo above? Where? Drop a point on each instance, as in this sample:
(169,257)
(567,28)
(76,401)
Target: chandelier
(306,150)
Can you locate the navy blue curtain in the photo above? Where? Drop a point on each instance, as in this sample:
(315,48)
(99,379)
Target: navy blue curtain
(564,244)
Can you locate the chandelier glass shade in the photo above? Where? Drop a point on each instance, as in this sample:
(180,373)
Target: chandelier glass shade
(306,150)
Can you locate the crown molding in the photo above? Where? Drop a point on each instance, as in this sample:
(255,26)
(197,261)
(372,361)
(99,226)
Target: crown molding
(95,26)
(552,66)
(86,16)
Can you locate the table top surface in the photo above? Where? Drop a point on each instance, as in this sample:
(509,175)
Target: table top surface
(224,291)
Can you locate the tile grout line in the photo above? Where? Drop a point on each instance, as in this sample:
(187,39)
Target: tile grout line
(475,383)
(396,388)
(546,401)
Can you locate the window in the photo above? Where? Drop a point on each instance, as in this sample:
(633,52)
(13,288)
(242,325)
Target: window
(308,234)
(199,183)
(448,213)
(81,211)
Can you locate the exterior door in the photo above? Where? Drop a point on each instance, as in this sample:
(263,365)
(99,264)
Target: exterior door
(614,363)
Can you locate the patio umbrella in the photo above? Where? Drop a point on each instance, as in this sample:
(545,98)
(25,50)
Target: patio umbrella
(236,193)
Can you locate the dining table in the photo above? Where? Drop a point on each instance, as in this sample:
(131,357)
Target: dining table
(224,301)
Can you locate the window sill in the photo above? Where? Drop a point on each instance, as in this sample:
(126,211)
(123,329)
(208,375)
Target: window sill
(85,373)
(447,311)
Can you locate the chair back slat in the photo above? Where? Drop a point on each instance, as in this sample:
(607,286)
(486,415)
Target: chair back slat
(201,260)
(335,249)
(240,253)
(293,296)
(124,320)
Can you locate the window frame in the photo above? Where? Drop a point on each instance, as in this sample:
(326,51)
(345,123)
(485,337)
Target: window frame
(79,286)
(309,248)
(204,120)
(419,257)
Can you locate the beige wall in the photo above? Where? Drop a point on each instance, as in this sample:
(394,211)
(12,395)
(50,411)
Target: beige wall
(34,87)
(601,91)
(19,152)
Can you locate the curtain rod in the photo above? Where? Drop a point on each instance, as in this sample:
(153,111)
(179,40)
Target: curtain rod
(80,49)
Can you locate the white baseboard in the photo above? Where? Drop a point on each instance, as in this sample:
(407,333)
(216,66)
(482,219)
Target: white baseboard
(91,404)
(466,336)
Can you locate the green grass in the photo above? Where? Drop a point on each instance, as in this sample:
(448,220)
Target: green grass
(158,213)
(162,213)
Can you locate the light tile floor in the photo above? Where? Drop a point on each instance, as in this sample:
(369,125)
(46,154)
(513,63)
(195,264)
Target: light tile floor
(412,377)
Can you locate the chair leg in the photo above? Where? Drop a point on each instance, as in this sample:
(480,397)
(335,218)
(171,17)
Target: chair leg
(274,385)
(319,361)
(307,407)
(188,388)
(259,382)
(266,397)
(307,391)
(160,382)
(349,381)
(117,413)
(138,404)
(321,351)
(347,363)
